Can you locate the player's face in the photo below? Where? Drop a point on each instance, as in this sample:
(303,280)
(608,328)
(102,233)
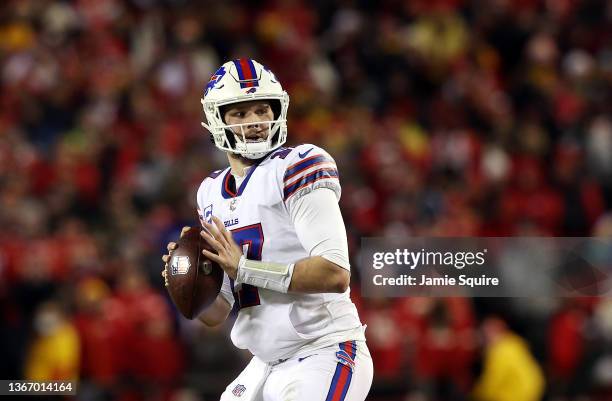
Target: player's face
(253,119)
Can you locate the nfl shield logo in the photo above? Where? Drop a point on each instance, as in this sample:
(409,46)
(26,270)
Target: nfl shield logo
(238,390)
(179,265)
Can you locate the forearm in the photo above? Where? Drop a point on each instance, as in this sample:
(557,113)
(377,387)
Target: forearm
(316,274)
(319,226)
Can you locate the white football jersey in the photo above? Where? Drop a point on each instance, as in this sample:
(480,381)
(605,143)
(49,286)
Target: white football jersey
(270,324)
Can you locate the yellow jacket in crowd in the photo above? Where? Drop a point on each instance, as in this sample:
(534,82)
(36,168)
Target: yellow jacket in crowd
(510,372)
(54,356)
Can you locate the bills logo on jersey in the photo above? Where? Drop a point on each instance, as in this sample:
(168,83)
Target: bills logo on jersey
(238,390)
(216,77)
(345,359)
(231,222)
(179,265)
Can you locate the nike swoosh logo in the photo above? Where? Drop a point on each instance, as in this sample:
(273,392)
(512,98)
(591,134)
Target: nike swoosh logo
(301,359)
(303,155)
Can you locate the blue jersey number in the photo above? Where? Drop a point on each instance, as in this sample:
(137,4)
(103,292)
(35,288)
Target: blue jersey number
(282,153)
(251,239)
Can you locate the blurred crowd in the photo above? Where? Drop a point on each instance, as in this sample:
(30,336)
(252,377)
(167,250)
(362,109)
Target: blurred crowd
(446,118)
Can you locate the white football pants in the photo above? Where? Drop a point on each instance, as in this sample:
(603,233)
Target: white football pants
(342,372)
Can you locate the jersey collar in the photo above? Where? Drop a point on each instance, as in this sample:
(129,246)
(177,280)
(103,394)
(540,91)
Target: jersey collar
(226,190)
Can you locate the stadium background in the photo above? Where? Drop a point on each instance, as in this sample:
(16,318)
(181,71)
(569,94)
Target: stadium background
(446,118)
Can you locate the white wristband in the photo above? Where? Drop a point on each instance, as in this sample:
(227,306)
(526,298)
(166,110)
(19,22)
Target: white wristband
(269,275)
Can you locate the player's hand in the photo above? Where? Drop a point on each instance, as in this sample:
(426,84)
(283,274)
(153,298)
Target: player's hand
(228,252)
(166,258)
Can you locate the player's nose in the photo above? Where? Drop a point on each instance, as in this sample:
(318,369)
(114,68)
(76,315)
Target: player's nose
(256,126)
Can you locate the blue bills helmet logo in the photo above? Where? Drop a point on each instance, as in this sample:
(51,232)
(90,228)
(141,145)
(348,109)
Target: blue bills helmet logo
(238,390)
(179,265)
(216,77)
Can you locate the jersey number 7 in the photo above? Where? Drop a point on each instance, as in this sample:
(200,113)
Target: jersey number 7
(251,239)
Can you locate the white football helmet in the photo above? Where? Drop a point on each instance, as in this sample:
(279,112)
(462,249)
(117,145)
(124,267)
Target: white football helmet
(244,80)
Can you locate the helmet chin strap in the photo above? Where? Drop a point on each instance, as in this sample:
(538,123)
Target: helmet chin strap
(251,151)
(254,156)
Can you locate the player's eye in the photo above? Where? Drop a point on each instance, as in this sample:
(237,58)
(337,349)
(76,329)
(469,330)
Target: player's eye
(262,110)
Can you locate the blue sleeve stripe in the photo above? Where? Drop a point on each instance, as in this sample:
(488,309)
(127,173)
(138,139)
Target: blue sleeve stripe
(302,165)
(309,179)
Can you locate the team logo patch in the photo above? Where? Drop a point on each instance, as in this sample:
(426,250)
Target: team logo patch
(216,77)
(207,213)
(179,265)
(345,359)
(238,390)
(252,90)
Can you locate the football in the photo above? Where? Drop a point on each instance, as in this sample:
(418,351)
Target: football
(194,281)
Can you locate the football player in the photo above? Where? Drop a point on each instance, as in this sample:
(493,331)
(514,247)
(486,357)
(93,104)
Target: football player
(272,216)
